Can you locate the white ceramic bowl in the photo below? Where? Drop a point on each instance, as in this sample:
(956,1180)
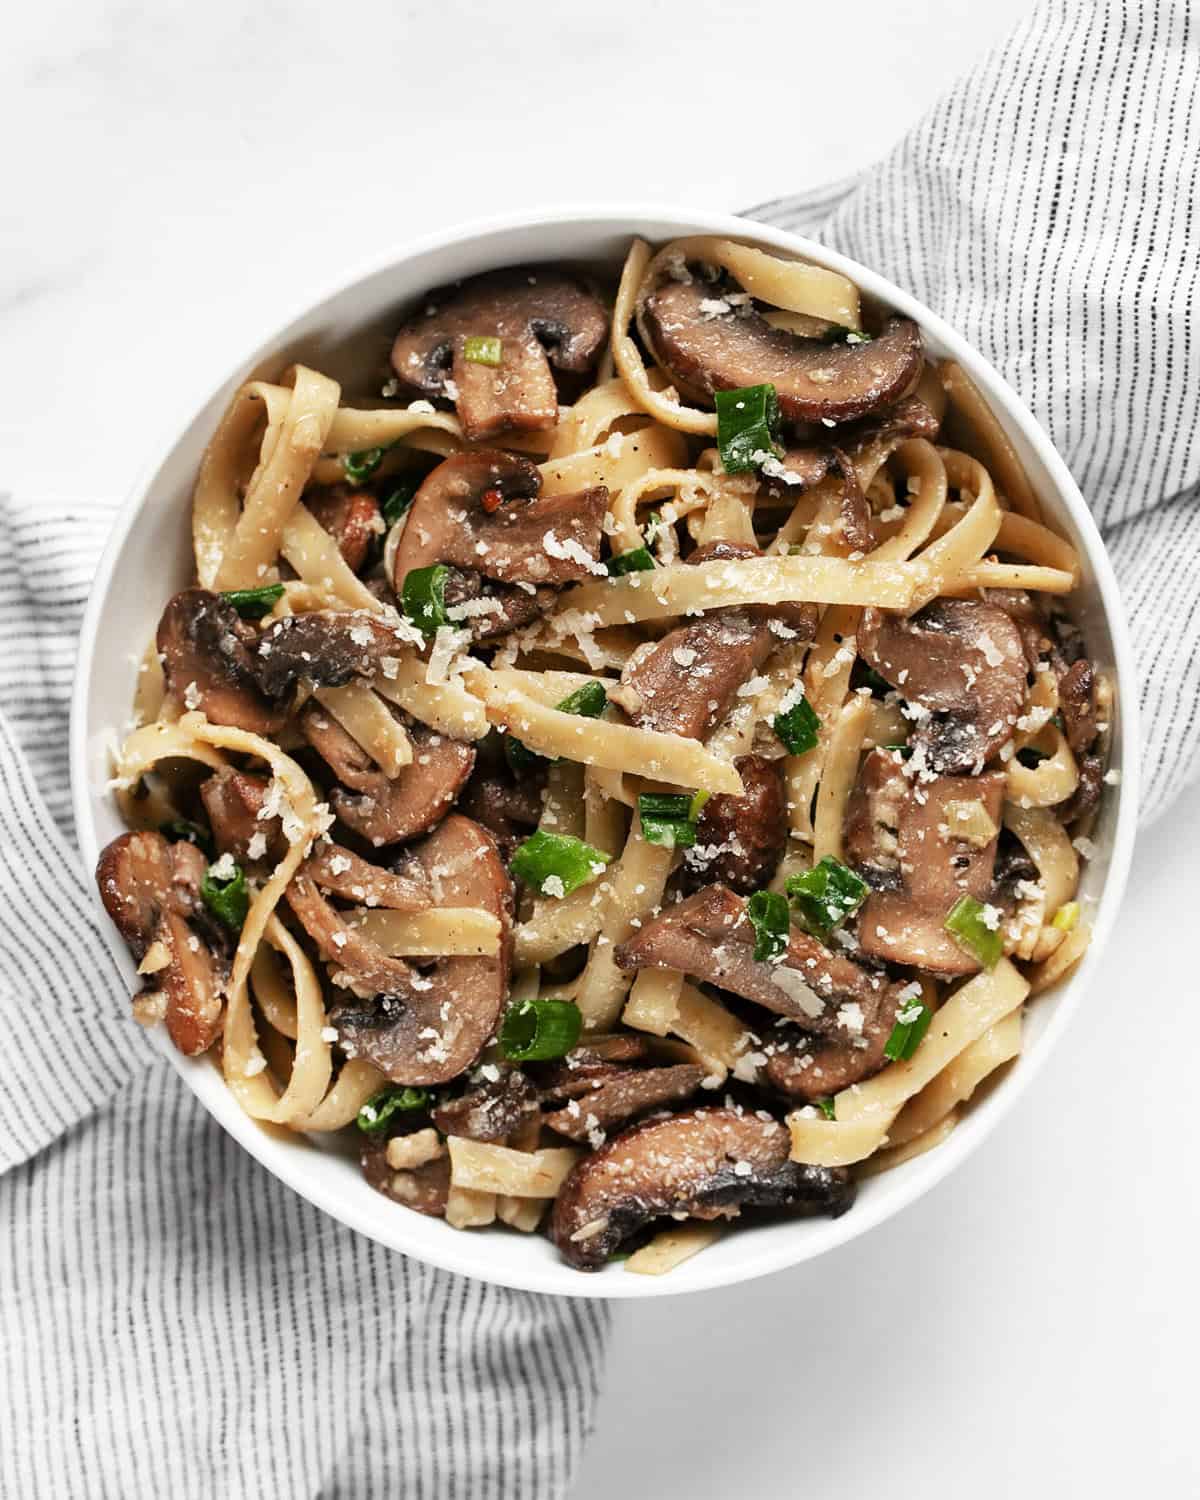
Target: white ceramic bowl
(149,557)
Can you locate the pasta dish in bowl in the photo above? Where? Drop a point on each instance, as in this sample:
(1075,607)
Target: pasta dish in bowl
(622,757)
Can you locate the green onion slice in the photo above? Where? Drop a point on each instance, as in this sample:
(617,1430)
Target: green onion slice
(827,1107)
(912,1022)
(590,701)
(538,1030)
(556,863)
(182,831)
(797,726)
(377,1112)
(768,910)
(253,604)
(519,756)
(423,597)
(969,923)
(482,351)
(226,896)
(669,818)
(396,502)
(1066,917)
(358,467)
(637,561)
(747,427)
(826,895)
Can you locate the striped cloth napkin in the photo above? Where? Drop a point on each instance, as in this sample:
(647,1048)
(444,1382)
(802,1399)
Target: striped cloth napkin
(172,1319)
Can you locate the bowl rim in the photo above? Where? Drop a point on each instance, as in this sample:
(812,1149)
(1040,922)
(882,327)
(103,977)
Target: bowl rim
(469,1258)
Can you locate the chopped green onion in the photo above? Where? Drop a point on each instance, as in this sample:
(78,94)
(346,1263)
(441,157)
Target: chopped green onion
(377,1112)
(637,561)
(669,818)
(590,701)
(797,727)
(968,924)
(768,910)
(827,1106)
(654,524)
(1066,917)
(252,604)
(226,896)
(482,351)
(747,427)
(839,334)
(520,757)
(538,1030)
(423,597)
(912,1022)
(358,467)
(396,502)
(182,831)
(556,863)
(826,895)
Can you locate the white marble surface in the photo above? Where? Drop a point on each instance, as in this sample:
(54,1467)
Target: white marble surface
(179,177)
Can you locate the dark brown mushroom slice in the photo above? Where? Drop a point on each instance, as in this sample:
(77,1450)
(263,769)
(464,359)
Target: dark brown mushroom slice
(508,807)
(484,511)
(710,936)
(806,1067)
(1085,799)
(535,312)
(599,1058)
(963,663)
(915,835)
(491,1112)
(740,840)
(352,518)
(205,648)
(233,801)
(151,890)
(424,1188)
(327,648)
(342,873)
(854,516)
(507,606)
(420,1028)
(808,463)
(625,1094)
(1019,606)
(814,381)
(1077,703)
(705,1163)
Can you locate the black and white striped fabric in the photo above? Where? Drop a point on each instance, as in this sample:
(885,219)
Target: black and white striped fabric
(172,1319)
(1048,208)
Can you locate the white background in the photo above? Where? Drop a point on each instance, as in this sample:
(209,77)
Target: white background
(180,177)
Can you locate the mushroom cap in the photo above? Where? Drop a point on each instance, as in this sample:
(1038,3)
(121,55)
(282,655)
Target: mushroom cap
(529,539)
(960,660)
(813,380)
(421,1029)
(901,836)
(208,664)
(740,840)
(704,1163)
(491,1112)
(535,312)
(151,890)
(326,647)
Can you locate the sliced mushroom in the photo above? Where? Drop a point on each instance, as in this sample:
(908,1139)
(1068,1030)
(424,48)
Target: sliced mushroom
(1077,702)
(531,310)
(806,1067)
(855,514)
(962,665)
(627,1093)
(486,608)
(815,381)
(875,438)
(484,511)
(234,801)
(424,1188)
(740,840)
(327,648)
(584,1067)
(207,662)
(1029,620)
(922,844)
(491,1112)
(1085,799)
(386,810)
(706,1163)
(419,1027)
(710,936)
(151,890)
(343,874)
(508,807)
(352,518)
